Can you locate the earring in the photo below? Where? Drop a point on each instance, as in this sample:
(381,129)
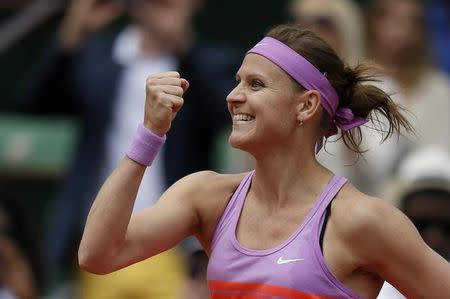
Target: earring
(300,123)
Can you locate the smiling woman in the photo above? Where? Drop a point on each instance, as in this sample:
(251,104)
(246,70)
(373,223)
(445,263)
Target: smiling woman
(290,228)
(260,100)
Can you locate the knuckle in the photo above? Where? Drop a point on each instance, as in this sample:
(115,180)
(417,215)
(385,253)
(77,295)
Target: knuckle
(150,82)
(179,102)
(153,76)
(178,90)
(152,89)
(159,96)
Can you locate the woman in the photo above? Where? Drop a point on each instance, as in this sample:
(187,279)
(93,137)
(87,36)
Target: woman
(265,231)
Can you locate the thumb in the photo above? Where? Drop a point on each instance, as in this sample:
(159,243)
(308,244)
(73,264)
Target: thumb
(184,84)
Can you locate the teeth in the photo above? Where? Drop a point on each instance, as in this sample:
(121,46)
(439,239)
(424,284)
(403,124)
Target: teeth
(242,117)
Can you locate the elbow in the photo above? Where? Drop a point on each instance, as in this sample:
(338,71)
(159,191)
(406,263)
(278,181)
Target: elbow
(93,263)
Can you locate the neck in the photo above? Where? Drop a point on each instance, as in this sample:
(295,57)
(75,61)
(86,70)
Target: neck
(289,173)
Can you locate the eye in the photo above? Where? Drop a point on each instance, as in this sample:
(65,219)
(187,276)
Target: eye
(255,84)
(237,81)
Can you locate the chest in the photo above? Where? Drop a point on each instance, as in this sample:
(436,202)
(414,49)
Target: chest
(262,228)
(298,237)
(288,263)
(280,260)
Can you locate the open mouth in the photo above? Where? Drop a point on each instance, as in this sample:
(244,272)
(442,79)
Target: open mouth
(242,118)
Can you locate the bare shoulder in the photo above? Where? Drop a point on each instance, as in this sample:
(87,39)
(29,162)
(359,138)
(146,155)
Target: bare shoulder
(357,211)
(382,240)
(205,184)
(202,191)
(209,193)
(357,214)
(368,224)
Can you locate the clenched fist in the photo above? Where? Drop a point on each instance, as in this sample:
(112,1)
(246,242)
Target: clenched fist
(164,99)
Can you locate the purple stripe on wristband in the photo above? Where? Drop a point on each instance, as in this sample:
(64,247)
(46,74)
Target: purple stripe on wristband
(145,146)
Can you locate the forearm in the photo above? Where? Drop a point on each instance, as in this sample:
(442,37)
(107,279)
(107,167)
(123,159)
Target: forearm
(108,219)
(110,241)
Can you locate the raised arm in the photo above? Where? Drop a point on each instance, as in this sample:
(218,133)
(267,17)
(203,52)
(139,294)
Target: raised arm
(113,238)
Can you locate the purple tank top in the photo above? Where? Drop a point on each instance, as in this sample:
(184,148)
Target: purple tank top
(294,269)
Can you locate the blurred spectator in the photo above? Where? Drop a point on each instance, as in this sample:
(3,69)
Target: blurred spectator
(338,22)
(97,73)
(438,21)
(397,41)
(19,260)
(421,189)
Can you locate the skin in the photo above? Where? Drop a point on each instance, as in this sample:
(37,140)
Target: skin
(398,33)
(359,249)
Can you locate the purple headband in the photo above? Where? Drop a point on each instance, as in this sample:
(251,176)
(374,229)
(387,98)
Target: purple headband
(308,76)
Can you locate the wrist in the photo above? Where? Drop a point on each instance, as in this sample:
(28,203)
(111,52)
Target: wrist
(145,146)
(154,129)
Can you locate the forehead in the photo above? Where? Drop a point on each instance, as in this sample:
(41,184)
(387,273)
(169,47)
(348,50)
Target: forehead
(404,7)
(259,65)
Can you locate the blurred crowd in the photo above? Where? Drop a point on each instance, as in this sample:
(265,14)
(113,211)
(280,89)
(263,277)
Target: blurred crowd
(89,71)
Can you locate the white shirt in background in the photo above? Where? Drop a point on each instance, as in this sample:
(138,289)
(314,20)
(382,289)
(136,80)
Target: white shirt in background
(6,294)
(389,292)
(129,111)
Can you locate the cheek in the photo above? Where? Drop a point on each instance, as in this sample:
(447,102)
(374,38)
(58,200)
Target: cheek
(281,118)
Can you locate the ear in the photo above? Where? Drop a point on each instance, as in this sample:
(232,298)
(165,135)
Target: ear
(308,105)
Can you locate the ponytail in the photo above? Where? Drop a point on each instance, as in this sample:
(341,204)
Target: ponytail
(354,86)
(370,102)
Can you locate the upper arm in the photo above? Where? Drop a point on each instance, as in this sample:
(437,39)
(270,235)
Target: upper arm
(167,222)
(389,244)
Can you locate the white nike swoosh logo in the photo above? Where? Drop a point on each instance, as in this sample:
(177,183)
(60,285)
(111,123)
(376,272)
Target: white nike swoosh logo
(282,261)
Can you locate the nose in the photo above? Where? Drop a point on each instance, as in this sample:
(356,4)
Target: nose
(236,95)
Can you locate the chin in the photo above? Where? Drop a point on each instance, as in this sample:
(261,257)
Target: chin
(236,142)
(240,143)
(233,142)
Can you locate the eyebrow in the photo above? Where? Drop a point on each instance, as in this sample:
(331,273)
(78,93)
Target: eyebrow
(253,74)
